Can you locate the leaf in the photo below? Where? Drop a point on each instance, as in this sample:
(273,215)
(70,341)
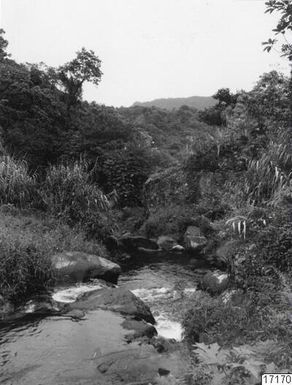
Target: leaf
(211,354)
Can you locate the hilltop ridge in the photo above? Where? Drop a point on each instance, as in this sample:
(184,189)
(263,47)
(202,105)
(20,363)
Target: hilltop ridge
(198,102)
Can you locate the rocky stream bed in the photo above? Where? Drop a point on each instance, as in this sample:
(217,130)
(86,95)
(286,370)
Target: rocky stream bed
(122,329)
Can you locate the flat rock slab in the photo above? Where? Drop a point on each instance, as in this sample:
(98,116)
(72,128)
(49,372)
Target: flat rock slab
(141,365)
(114,299)
(74,266)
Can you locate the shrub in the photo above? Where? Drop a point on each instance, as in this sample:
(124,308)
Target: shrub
(68,194)
(257,316)
(17,187)
(171,220)
(25,270)
(26,244)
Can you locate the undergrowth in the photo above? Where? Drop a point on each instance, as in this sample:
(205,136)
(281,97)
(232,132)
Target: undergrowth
(26,244)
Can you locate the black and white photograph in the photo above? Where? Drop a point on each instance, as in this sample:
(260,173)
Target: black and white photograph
(146,192)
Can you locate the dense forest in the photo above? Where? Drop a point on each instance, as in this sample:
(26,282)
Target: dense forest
(89,174)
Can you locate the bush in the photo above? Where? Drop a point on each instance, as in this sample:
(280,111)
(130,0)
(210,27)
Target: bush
(257,316)
(171,220)
(17,187)
(25,270)
(68,194)
(26,245)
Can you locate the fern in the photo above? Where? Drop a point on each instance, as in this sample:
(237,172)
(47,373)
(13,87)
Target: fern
(243,364)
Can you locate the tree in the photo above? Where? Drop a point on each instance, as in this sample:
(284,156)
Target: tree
(284,7)
(284,27)
(84,68)
(3,46)
(225,97)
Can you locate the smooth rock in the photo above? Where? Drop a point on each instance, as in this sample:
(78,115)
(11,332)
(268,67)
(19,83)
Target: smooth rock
(114,299)
(75,266)
(178,248)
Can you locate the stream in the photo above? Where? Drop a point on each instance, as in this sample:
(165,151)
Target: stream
(57,350)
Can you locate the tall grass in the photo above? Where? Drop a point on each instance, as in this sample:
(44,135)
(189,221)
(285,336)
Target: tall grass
(26,245)
(17,187)
(68,193)
(269,175)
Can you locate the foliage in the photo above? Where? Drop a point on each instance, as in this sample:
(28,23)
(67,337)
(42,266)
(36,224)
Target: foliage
(84,68)
(245,318)
(31,113)
(68,194)
(17,187)
(216,115)
(24,270)
(27,241)
(3,46)
(126,172)
(269,174)
(284,8)
(241,365)
(171,220)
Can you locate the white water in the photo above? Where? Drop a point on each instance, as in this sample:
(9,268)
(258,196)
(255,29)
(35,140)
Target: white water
(72,293)
(167,328)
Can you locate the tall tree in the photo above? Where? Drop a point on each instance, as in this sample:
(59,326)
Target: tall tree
(284,29)
(72,75)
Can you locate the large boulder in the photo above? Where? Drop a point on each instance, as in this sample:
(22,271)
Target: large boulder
(114,299)
(75,266)
(166,243)
(194,239)
(215,282)
(133,242)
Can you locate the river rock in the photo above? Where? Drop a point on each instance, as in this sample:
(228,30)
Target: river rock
(75,266)
(141,366)
(139,329)
(166,243)
(178,248)
(133,242)
(114,299)
(194,239)
(215,282)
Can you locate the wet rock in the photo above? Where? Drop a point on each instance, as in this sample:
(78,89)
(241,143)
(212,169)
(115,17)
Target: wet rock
(194,239)
(132,242)
(215,282)
(139,329)
(114,299)
(140,365)
(166,243)
(178,248)
(42,304)
(74,266)
(163,345)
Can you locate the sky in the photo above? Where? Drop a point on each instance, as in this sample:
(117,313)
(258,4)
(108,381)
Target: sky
(149,48)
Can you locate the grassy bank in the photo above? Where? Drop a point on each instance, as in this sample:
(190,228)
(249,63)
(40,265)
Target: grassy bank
(27,241)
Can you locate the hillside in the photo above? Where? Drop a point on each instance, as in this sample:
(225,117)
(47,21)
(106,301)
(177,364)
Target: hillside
(198,102)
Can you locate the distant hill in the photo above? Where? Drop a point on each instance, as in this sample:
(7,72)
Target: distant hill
(198,102)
